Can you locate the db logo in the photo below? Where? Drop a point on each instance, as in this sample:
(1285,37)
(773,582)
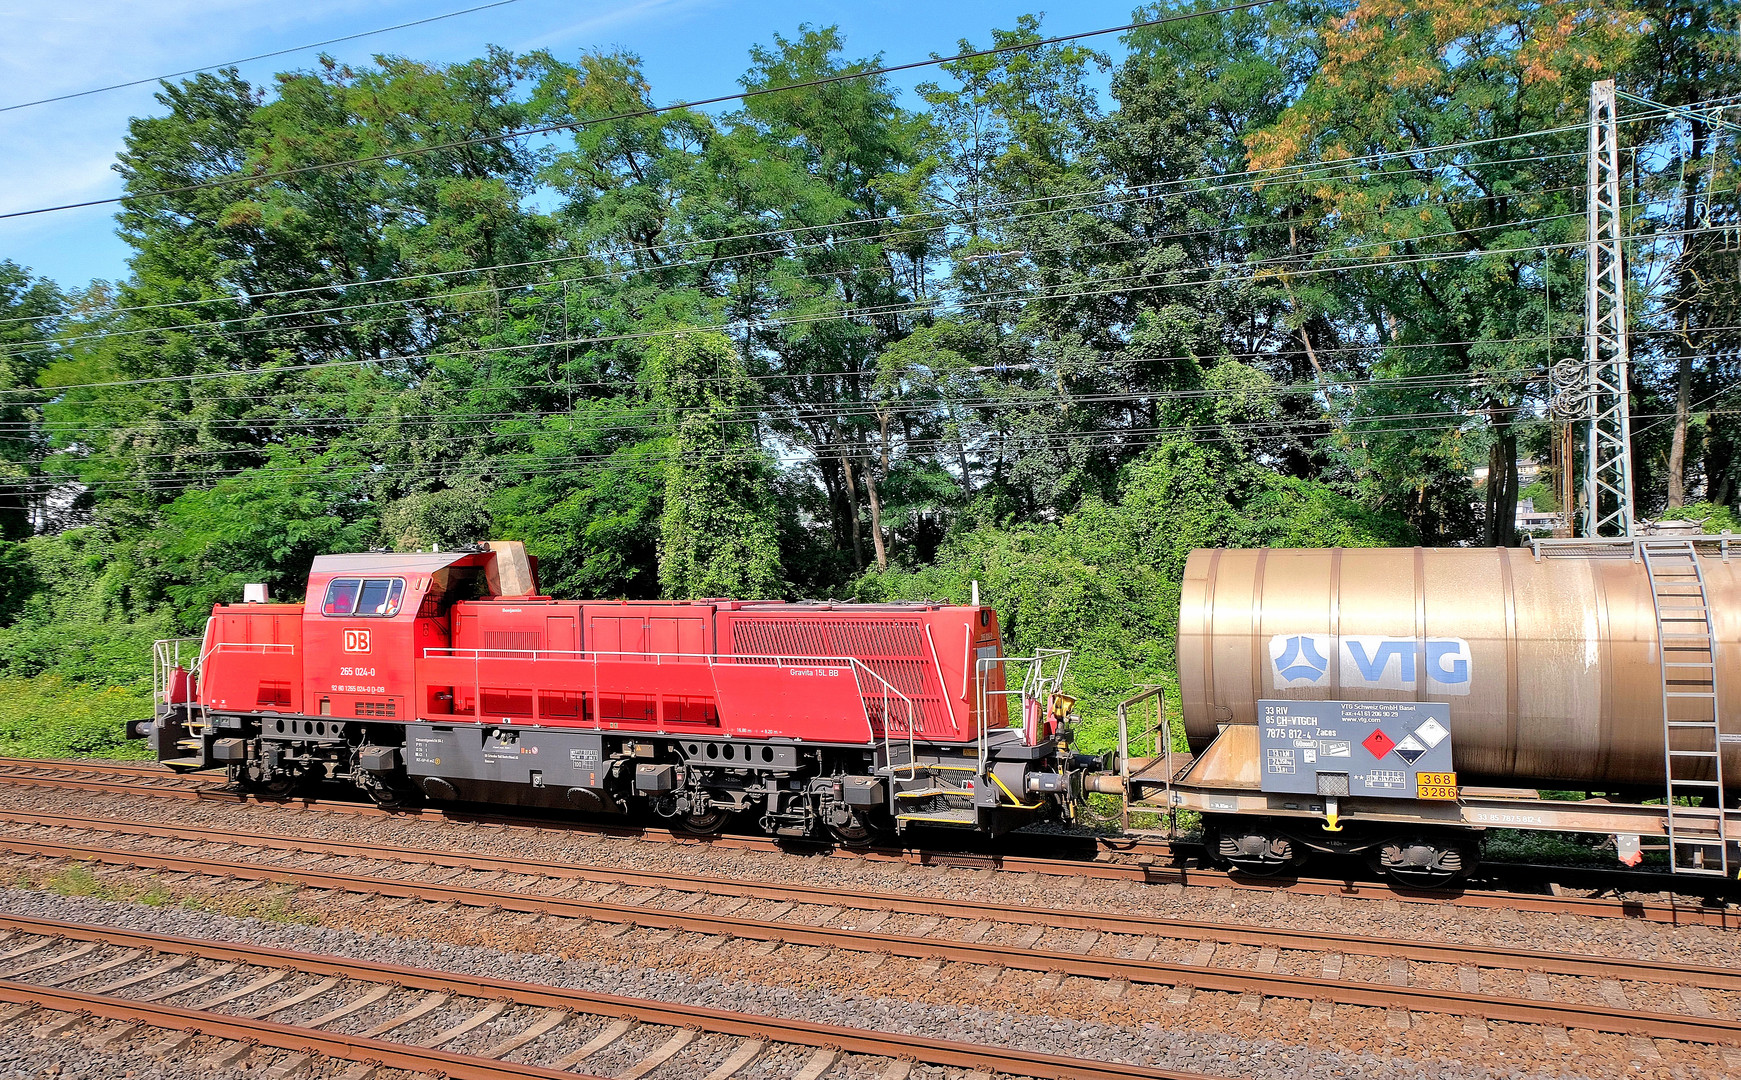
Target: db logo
(356,641)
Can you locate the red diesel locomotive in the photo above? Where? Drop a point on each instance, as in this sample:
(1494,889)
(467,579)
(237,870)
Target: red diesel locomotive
(447,676)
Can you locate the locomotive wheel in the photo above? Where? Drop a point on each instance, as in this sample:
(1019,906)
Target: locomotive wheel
(707,823)
(242,778)
(276,788)
(390,798)
(856,833)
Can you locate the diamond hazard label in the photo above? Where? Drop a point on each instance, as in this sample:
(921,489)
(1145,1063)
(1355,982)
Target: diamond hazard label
(1432,733)
(1357,748)
(1378,744)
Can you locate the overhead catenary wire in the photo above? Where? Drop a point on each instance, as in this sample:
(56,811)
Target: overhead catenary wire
(511,462)
(778,321)
(760,415)
(1214,183)
(536,467)
(777,377)
(1345,162)
(328,326)
(1321,422)
(1236,266)
(529,288)
(258,56)
(402,153)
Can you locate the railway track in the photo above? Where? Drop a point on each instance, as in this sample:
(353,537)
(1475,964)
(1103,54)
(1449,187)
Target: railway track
(1119,949)
(448,1023)
(1141,859)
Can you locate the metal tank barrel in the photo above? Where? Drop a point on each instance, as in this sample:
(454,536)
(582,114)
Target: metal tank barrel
(1549,658)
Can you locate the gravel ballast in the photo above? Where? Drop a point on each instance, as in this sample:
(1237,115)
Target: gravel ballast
(1355,1044)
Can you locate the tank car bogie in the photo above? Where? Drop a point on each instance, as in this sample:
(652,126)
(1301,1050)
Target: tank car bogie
(1409,853)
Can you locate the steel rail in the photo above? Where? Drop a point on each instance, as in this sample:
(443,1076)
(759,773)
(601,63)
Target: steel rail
(95,765)
(1669,912)
(940,1052)
(281,1036)
(1423,999)
(1584,966)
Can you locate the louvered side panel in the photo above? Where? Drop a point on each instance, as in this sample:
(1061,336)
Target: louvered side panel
(513,640)
(893,648)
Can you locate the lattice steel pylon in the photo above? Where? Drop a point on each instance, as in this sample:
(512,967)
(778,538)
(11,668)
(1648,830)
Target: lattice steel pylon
(1608,508)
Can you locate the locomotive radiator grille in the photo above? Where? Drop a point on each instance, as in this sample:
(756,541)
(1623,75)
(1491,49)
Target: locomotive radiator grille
(894,649)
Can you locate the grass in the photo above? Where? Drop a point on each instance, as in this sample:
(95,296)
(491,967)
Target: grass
(80,880)
(48,716)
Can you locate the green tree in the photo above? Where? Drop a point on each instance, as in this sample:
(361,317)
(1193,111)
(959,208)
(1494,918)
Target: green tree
(718,535)
(1445,260)
(30,308)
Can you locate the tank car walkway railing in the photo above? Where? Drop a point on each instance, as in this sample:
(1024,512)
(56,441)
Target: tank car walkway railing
(1692,743)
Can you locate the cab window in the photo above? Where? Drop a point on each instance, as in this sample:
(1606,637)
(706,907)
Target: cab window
(374,598)
(341,596)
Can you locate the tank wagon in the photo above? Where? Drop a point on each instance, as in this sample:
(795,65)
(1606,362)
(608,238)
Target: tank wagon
(449,676)
(1396,702)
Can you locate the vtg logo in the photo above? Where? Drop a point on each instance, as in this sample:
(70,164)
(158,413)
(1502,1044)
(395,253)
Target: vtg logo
(1370,662)
(356,641)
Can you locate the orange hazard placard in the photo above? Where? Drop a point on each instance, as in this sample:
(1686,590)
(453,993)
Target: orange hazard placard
(1436,785)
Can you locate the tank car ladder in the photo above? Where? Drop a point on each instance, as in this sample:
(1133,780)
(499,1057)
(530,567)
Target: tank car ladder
(1690,733)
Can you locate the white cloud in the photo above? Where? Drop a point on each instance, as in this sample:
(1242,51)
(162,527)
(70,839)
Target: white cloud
(628,14)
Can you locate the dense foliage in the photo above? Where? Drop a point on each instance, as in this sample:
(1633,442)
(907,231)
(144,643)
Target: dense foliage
(1283,276)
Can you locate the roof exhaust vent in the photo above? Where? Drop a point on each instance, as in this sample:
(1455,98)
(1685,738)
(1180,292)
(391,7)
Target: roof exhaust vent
(510,573)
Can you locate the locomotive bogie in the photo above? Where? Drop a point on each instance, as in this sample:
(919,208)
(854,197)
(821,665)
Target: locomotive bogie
(782,787)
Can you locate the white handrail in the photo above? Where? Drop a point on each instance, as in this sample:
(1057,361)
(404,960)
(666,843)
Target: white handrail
(166,657)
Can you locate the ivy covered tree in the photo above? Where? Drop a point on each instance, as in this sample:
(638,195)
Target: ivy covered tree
(719,534)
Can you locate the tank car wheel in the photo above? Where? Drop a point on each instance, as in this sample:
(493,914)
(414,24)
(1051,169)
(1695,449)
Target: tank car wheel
(1253,848)
(1425,861)
(706,823)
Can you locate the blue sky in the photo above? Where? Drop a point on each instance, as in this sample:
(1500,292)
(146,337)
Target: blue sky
(62,152)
